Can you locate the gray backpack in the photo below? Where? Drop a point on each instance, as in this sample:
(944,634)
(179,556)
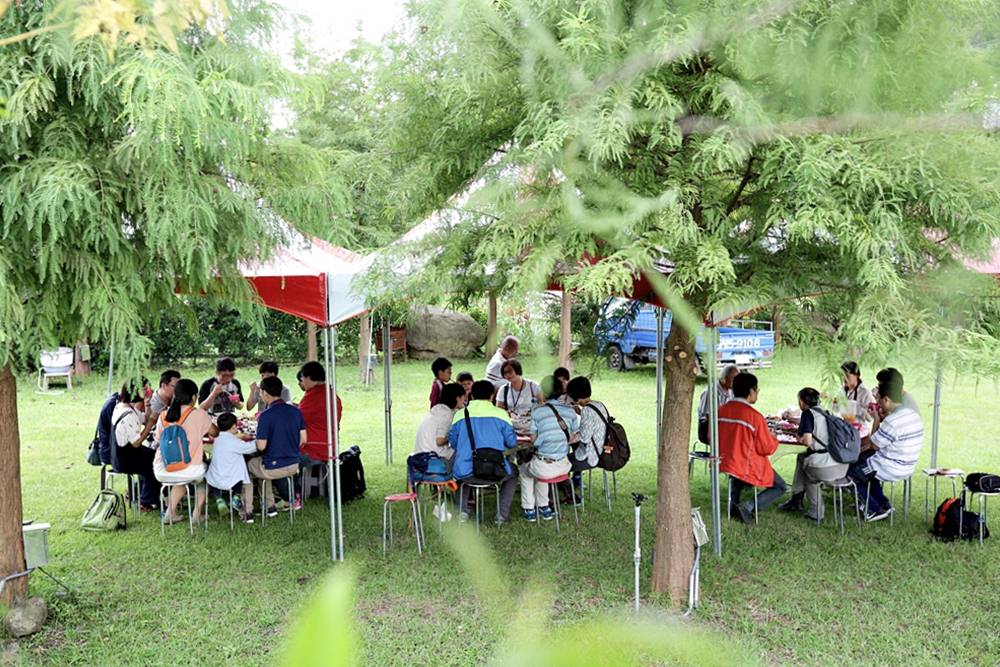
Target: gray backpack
(106,513)
(844,443)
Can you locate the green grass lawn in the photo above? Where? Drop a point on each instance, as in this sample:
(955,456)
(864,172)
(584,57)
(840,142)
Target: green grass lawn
(786,591)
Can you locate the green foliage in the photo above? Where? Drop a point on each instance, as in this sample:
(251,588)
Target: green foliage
(125,179)
(769,151)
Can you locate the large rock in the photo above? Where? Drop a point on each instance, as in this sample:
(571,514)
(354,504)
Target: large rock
(26,619)
(436,332)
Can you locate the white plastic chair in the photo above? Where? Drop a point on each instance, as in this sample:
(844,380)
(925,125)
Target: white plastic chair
(55,363)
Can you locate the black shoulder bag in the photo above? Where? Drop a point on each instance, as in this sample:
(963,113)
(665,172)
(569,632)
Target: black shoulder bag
(487,464)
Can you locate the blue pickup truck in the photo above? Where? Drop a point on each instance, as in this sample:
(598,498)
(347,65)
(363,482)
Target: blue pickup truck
(626,335)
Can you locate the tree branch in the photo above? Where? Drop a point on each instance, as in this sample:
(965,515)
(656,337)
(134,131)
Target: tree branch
(747,175)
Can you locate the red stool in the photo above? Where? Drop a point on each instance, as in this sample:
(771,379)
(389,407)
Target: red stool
(553,483)
(387,520)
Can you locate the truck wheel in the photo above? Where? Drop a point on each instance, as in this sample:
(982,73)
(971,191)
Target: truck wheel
(616,359)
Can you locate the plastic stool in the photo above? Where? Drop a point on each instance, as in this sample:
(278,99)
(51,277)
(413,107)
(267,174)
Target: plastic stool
(838,486)
(478,487)
(438,491)
(190,492)
(607,489)
(983,497)
(291,496)
(387,520)
(957,478)
(553,483)
(131,483)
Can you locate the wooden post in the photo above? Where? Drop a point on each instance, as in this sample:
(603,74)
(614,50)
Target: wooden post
(312,352)
(491,324)
(566,331)
(364,349)
(11,539)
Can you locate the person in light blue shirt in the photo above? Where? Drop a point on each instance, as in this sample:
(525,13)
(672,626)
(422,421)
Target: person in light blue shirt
(553,427)
(491,429)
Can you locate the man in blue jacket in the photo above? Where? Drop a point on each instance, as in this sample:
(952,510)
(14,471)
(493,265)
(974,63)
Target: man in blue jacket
(491,429)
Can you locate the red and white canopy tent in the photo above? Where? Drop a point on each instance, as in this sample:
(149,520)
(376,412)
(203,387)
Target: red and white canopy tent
(313,280)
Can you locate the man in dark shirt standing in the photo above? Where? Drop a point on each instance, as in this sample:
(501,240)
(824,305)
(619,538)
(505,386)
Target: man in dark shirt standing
(222,392)
(281,430)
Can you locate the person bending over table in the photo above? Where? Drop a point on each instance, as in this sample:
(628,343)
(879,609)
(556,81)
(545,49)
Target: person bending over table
(895,449)
(221,392)
(160,400)
(268,369)
(281,430)
(508,350)
(432,434)
(129,455)
(814,465)
(745,443)
(554,426)
(197,424)
(491,429)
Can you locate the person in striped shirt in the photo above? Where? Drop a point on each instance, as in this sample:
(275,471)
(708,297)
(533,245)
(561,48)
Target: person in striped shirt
(895,450)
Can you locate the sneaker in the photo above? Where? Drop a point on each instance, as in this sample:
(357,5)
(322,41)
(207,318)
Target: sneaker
(546,513)
(297,505)
(463,517)
(246,518)
(793,504)
(746,516)
(502,520)
(237,503)
(878,516)
(148,508)
(272,512)
(441,513)
(530,516)
(220,504)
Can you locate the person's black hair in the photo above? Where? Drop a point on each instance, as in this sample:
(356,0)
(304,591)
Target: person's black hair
(561,373)
(268,367)
(891,389)
(578,388)
(225,364)
(743,384)
(226,421)
(129,394)
(465,376)
(440,365)
(809,396)
(482,390)
(514,365)
(184,393)
(889,375)
(168,375)
(272,385)
(851,368)
(314,371)
(549,387)
(452,394)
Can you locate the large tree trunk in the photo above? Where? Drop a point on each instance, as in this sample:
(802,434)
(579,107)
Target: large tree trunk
(491,324)
(674,540)
(312,352)
(11,541)
(566,331)
(364,349)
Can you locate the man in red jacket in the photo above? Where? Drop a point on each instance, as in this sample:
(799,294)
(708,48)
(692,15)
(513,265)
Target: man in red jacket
(744,446)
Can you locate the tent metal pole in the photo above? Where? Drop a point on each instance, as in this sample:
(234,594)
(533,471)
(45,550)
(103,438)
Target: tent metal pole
(336,442)
(659,378)
(329,451)
(936,422)
(387,387)
(111,368)
(713,407)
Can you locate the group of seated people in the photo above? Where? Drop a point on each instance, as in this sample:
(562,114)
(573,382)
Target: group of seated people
(287,436)
(561,429)
(887,420)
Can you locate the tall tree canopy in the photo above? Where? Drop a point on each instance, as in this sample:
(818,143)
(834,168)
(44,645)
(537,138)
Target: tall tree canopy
(126,176)
(769,150)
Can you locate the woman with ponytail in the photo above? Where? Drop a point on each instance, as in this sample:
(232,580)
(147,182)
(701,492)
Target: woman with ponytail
(196,423)
(128,453)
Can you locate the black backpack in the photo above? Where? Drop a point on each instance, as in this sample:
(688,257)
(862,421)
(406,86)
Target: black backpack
(983,482)
(352,475)
(844,444)
(487,464)
(616,451)
(952,522)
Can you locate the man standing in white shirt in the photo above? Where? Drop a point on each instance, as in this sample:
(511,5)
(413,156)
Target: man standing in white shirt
(508,350)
